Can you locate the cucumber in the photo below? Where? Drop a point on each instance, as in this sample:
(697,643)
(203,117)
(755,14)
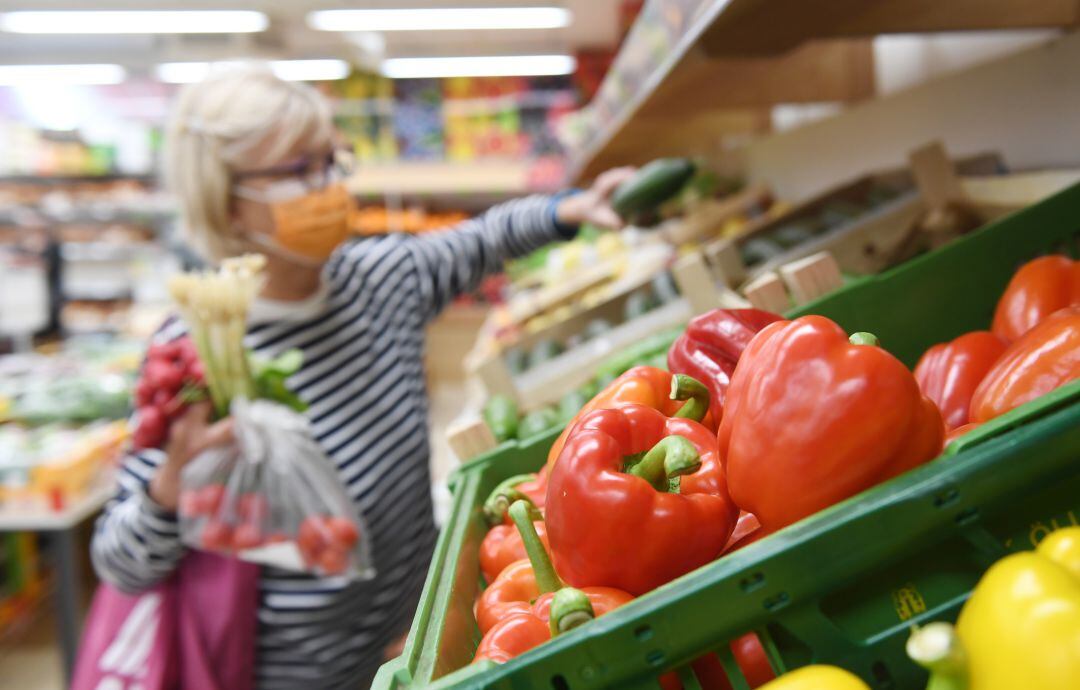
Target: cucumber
(537,422)
(631,356)
(589,389)
(501,416)
(571,404)
(658,360)
(651,186)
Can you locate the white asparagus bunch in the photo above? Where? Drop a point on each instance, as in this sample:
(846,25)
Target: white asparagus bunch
(215,306)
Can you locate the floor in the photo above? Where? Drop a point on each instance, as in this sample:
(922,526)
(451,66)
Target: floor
(31,661)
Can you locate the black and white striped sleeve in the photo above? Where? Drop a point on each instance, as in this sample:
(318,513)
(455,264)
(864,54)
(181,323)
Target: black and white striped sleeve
(453,262)
(136,542)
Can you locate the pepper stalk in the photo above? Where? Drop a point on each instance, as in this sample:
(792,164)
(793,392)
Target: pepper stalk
(937,648)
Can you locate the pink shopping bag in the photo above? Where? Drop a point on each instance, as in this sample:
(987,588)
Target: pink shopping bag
(195,631)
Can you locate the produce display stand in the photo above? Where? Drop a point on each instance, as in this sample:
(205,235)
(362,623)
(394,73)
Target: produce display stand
(864,245)
(60,529)
(844,585)
(550,380)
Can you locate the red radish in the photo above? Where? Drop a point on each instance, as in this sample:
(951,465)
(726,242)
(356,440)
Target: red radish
(313,534)
(253,508)
(191,503)
(171,350)
(144,393)
(197,373)
(344,531)
(162,375)
(247,536)
(211,497)
(217,536)
(151,430)
(333,561)
(277,538)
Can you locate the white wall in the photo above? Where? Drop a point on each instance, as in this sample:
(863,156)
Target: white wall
(1025,105)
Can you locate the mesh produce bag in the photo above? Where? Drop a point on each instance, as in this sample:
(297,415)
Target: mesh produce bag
(273,497)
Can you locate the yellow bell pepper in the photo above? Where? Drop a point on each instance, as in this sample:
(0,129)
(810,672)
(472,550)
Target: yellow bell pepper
(816,678)
(1019,629)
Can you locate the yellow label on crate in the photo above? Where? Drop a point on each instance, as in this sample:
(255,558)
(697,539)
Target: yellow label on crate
(908,602)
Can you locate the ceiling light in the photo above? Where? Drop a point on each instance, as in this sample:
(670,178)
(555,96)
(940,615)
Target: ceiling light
(491,66)
(440,19)
(290,70)
(21,75)
(134,22)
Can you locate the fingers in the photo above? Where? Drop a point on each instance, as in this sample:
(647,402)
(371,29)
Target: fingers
(605,217)
(196,415)
(218,434)
(606,183)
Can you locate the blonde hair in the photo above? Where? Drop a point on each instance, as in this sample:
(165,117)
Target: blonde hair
(238,117)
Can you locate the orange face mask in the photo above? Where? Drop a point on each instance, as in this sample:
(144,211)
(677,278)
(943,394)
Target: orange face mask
(308,223)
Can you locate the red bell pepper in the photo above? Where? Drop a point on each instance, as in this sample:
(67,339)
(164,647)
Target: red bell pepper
(949,373)
(747,530)
(960,431)
(503,545)
(813,417)
(552,614)
(530,487)
(710,673)
(711,346)
(520,584)
(674,396)
(1037,290)
(1044,358)
(631,529)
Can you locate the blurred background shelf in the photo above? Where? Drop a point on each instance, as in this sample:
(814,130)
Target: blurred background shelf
(690,72)
(439,178)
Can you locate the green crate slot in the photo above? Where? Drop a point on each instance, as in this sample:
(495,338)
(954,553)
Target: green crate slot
(842,586)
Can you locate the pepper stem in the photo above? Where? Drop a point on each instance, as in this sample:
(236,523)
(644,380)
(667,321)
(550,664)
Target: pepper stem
(569,608)
(500,498)
(672,457)
(547,580)
(864,338)
(695,394)
(937,648)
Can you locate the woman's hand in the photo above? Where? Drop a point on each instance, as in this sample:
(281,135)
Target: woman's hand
(191,434)
(593,205)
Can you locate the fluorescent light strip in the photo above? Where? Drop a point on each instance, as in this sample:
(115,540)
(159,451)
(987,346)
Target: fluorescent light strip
(492,66)
(134,22)
(24,75)
(440,19)
(289,70)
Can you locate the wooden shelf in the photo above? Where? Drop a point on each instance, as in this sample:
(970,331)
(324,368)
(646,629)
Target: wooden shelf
(736,58)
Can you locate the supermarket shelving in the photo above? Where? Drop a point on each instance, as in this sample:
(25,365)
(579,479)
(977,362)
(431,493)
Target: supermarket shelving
(440,178)
(740,55)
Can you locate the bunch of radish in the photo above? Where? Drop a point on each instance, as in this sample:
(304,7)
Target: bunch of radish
(171,378)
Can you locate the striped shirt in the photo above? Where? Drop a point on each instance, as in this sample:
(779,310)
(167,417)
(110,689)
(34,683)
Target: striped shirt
(363,380)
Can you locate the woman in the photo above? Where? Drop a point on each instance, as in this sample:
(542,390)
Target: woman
(250,158)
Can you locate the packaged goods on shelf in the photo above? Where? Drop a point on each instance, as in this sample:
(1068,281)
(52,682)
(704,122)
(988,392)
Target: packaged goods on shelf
(47,467)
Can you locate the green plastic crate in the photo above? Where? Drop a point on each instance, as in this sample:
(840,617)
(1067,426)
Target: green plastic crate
(842,586)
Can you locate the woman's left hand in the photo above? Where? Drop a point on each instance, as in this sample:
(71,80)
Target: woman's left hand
(593,205)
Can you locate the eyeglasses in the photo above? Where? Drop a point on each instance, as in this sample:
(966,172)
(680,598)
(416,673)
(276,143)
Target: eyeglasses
(315,172)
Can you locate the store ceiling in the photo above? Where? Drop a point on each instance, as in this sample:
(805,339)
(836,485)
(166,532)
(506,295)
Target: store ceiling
(593,25)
